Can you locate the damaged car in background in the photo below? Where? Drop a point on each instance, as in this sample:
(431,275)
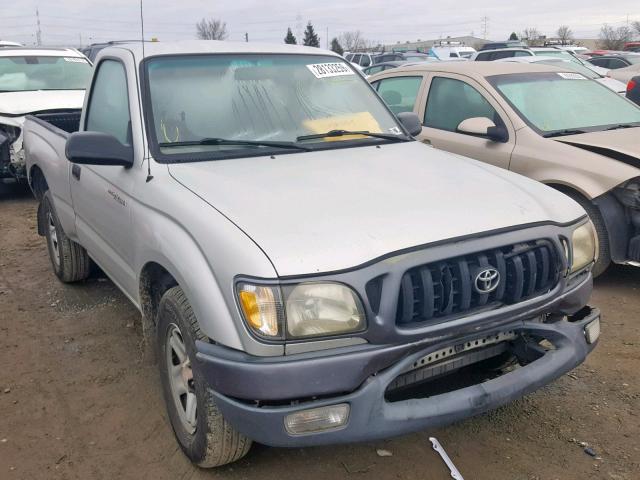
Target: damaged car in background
(43,81)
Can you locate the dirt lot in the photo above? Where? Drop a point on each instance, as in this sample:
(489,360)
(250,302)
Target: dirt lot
(78,401)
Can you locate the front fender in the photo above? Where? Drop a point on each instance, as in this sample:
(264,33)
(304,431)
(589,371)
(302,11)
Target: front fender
(204,252)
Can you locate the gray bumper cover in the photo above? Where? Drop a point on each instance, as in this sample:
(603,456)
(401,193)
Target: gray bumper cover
(372,417)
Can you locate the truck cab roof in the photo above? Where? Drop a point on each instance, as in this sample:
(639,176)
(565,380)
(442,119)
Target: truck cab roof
(151,49)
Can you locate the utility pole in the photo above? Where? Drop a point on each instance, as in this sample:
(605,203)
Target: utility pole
(485,26)
(246,37)
(327,42)
(80,38)
(38,30)
(299,27)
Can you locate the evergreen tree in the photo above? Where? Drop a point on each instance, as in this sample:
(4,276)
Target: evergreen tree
(290,38)
(311,39)
(336,47)
(513,36)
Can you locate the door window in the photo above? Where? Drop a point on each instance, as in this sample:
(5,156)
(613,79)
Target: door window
(399,93)
(483,57)
(109,104)
(451,101)
(615,63)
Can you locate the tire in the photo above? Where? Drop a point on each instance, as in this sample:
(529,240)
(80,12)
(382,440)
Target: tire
(604,252)
(69,260)
(208,440)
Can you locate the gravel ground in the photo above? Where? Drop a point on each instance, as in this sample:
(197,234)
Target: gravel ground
(78,400)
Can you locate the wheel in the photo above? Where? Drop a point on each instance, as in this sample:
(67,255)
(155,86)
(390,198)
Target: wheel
(69,260)
(604,253)
(205,437)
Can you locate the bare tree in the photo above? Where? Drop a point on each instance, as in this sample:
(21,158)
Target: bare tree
(531,35)
(353,41)
(211,29)
(636,27)
(614,38)
(565,35)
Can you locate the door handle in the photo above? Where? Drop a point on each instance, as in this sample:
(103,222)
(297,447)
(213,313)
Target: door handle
(75,171)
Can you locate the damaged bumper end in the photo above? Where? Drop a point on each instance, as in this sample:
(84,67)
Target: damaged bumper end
(424,387)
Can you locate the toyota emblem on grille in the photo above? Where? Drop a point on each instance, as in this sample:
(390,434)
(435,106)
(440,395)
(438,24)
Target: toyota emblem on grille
(487,280)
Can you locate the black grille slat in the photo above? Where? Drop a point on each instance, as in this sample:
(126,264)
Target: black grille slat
(447,288)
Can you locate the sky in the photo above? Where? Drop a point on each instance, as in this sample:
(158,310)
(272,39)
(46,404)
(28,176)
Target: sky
(79,22)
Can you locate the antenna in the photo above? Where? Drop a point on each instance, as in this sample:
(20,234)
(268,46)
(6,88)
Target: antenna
(149,176)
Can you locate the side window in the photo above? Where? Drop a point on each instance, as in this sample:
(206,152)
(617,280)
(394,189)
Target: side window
(503,54)
(520,53)
(600,62)
(108,110)
(453,55)
(348,57)
(399,93)
(372,70)
(483,57)
(366,61)
(356,59)
(615,63)
(452,101)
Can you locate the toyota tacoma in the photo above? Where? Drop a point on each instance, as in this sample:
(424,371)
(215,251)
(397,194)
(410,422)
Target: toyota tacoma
(308,272)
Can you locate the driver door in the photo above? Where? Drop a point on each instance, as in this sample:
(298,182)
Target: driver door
(452,99)
(102,195)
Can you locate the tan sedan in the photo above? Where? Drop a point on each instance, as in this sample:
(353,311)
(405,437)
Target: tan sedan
(544,122)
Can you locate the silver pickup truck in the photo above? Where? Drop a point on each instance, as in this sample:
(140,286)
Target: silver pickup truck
(308,272)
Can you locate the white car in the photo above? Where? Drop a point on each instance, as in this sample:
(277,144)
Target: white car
(7,43)
(35,80)
(590,73)
(447,52)
(360,60)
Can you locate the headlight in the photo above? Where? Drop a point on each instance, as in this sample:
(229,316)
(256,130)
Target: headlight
(583,246)
(301,311)
(629,193)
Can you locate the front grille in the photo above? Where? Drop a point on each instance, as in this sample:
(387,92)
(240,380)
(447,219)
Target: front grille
(447,288)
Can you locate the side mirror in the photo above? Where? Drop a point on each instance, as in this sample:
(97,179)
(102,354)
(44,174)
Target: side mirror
(411,122)
(97,148)
(482,126)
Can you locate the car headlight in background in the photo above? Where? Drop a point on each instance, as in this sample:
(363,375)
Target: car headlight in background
(301,311)
(583,246)
(629,193)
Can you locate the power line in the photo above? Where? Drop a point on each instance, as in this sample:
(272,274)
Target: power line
(485,26)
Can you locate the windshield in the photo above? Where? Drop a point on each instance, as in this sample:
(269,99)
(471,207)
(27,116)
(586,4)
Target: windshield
(259,98)
(577,67)
(552,102)
(28,73)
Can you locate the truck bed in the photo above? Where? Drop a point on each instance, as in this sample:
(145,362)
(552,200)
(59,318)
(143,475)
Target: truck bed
(68,122)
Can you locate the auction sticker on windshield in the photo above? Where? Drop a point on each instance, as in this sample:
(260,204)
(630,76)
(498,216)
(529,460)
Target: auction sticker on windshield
(325,70)
(572,76)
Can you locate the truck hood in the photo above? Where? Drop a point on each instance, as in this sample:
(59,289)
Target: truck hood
(622,145)
(22,103)
(327,211)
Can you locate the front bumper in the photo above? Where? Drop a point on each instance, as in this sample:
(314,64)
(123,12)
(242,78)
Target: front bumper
(373,417)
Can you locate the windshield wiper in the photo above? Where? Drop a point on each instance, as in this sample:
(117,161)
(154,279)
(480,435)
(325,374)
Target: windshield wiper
(623,125)
(224,141)
(562,133)
(342,133)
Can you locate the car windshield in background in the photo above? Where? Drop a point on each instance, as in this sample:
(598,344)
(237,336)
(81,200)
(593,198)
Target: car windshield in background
(29,73)
(561,62)
(198,100)
(564,103)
